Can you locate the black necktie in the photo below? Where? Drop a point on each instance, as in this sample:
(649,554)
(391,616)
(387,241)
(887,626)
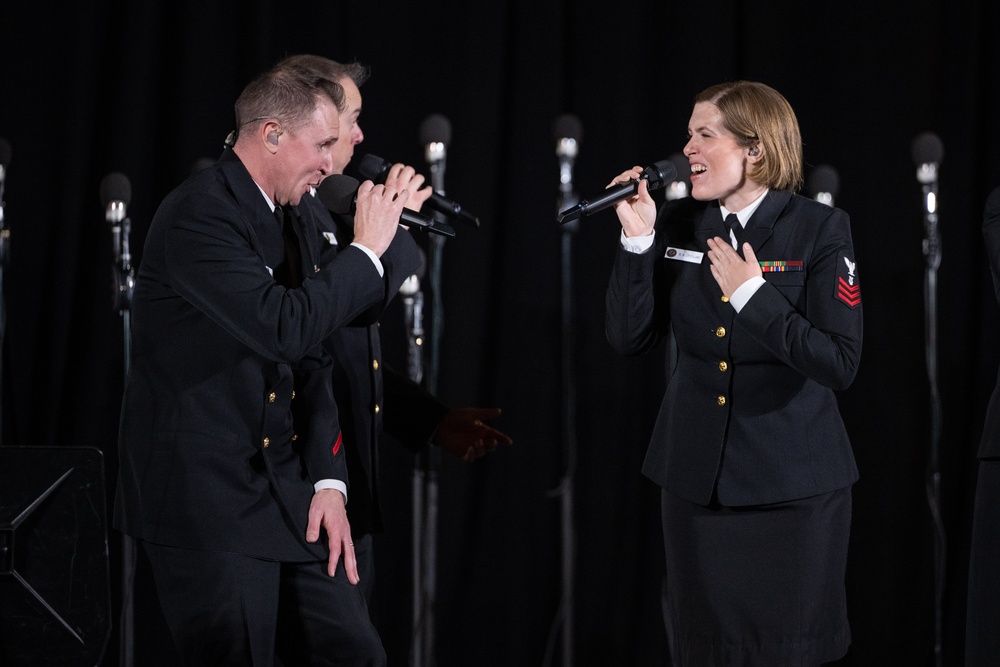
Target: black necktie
(733,222)
(292,267)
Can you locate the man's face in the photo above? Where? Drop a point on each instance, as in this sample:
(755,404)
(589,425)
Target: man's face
(306,154)
(350,130)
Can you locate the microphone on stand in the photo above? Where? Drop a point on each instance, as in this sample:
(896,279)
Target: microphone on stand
(568,133)
(435,135)
(928,151)
(824,184)
(413,313)
(375,168)
(656,176)
(680,186)
(116,192)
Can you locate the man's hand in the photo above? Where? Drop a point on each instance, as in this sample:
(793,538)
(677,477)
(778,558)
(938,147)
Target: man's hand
(376,215)
(406,178)
(327,511)
(463,434)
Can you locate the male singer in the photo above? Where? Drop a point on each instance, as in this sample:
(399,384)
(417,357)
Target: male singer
(362,384)
(232,468)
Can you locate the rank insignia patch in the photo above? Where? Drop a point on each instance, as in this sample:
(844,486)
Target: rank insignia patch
(848,287)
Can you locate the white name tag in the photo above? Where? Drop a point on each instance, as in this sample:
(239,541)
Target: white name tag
(330,238)
(683,255)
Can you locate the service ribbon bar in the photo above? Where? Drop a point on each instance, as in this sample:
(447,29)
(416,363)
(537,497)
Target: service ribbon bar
(777,267)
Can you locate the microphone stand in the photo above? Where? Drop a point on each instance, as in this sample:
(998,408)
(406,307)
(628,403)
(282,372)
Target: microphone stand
(124,287)
(567,199)
(927,175)
(4,257)
(425,477)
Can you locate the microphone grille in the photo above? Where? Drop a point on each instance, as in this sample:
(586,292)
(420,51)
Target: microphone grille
(927,148)
(823,178)
(659,174)
(337,192)
(4,152)
(567,126)
(116,187)
(435,129)
(374,168)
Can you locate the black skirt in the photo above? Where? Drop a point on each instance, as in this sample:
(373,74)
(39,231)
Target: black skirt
(761,585)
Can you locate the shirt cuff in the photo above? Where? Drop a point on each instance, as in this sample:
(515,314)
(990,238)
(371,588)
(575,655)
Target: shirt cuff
(331,484)
(742,295)
(637,244)
(371,254)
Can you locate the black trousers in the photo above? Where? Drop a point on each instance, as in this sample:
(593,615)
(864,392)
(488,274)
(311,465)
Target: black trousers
(230,609)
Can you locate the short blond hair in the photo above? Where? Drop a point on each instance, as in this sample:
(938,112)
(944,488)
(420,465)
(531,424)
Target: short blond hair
(756,114)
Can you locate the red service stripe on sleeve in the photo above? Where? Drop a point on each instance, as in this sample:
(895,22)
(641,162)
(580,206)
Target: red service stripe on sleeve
(849,295)
(336,445)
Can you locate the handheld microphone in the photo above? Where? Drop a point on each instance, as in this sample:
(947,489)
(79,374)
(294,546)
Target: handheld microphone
(5,152)
(680,186)
(116,192)
(339,194)
(824,184)
(376,169)
(656,176)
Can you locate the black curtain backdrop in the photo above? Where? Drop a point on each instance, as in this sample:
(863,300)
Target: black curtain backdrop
(147,88)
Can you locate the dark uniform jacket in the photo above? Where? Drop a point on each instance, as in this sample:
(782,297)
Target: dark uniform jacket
(223,356)
(368,393)
(750,410)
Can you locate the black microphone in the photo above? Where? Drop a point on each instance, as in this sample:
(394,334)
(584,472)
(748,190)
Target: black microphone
(656,176)
(339,193)
(376,169)
(823,184)
(116,192)
(680,186)
(5,152)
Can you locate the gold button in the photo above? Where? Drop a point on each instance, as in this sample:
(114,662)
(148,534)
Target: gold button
(721,332)
(723,366)
(293,393)
(375,364)
(725,299)
(272,397)
(377,408)
(295,436)
(267,442)
(721,400)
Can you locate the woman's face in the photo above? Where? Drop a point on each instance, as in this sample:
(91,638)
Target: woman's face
(718,163)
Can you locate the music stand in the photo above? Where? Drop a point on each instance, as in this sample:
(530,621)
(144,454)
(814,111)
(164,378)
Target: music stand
(55,600)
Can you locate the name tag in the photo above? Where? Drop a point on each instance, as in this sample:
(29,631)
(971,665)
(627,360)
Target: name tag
(330,238)
(683,255)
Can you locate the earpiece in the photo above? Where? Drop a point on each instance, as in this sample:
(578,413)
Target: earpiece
(754,151)
(273,138)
